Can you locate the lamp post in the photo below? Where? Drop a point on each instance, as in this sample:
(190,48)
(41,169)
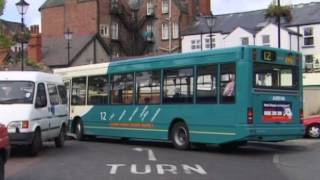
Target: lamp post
(210,20)
(22,7)
(279,31)
(68,37)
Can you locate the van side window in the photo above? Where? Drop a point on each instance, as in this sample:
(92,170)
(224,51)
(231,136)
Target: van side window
(41,98)
(63,94)
(53,94)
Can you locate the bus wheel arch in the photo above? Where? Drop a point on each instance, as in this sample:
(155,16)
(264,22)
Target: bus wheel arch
(179,134)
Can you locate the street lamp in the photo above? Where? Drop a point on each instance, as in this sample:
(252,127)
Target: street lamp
(22,7)
(210,20)
(68,37)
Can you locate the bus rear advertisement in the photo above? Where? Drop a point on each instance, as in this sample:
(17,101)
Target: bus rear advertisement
(226,96)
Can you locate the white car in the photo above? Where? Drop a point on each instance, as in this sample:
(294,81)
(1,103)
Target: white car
(33,106)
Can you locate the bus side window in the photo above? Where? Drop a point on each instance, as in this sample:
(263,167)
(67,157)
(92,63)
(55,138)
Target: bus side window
(227,83)
(148,87)
(207,84)
(122,89)
(178,86)
(78,92)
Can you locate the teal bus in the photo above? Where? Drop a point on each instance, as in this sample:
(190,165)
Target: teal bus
(225,96)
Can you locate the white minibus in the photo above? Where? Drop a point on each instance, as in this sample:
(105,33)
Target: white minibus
(33,106)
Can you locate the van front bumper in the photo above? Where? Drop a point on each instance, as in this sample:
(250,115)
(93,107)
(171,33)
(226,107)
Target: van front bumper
(21,138)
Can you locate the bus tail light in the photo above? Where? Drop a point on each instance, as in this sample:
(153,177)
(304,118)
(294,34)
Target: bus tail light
(301,115)
(250,115)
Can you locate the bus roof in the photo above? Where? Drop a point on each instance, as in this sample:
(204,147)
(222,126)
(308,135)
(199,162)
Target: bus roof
(34,76)
(224,55)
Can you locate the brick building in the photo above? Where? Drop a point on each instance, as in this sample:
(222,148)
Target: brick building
(128,27)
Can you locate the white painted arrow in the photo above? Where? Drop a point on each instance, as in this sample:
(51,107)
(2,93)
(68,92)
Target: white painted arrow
(151,156)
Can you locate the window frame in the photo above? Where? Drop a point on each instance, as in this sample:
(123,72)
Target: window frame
(165,31)
(222,88)
(165,6)
(215,67)
(191,85)
(45,103)
(106,86)
(244,39)
(125,85)
(308,36)
(77,94)
(137,92)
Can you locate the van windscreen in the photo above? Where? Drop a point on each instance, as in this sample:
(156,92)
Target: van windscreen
(16,92)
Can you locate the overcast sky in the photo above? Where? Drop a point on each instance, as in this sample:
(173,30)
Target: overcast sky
(218,7)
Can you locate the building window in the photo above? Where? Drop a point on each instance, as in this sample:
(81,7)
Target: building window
(104,30)
(149,32)
(266,40)
(178,86)
(308,59)
(196,44)
(245,41)
(148,87)
(165,31)
(175,30)
(165,6)
(115,31)
(308,36)
(98,90)
(150,8)
(208,43)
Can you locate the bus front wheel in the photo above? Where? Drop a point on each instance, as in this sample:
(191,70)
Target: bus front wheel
(180,136)
(79,130)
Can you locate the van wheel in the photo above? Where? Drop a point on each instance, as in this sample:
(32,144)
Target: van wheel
(79,130)
(180,136)
(59,141)
(36,144)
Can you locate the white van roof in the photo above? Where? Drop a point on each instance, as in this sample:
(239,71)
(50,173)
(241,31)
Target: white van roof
(34,76)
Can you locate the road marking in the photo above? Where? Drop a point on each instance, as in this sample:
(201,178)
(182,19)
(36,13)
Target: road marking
(151,156)
(159,169)
(276,159)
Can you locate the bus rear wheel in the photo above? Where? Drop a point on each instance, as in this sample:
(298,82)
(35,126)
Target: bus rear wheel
(313,131)
(180,136)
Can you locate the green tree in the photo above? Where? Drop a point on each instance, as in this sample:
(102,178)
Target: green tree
(2,4)
(277,12)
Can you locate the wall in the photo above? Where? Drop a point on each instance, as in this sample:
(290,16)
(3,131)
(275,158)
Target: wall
(234,38)
(79,17)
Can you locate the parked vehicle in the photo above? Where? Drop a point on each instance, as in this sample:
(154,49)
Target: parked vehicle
(312,126)
(33,106)
(4,149)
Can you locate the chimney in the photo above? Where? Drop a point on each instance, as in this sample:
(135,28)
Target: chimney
(35,44)
(205,7)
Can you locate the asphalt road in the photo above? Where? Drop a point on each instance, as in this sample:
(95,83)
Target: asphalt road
(118,160)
